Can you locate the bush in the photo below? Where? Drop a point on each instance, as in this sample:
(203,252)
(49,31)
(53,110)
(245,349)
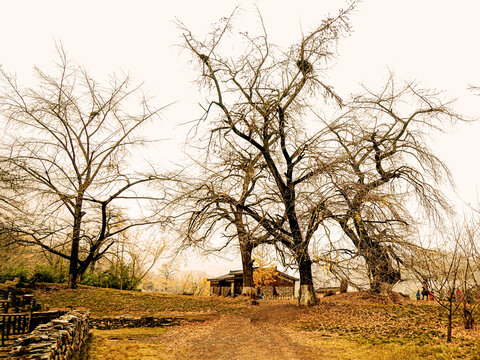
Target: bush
(48,274)
(43,274)
(114,277)
(93,279)
(10,274)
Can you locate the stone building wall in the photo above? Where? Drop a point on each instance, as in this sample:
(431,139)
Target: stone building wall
(285,291)
(60,338)
(280,291)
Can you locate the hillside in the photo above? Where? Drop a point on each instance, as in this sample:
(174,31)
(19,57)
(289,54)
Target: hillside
(347,326)
(112,302)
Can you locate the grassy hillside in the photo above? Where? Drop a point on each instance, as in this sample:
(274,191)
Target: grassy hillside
(103,302)
(347,326)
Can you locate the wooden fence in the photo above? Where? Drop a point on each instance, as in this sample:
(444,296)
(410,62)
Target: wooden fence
(14,324)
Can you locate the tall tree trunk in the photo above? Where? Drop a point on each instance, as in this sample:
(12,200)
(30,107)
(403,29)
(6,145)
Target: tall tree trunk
(307,295)
(74,274)
(246,248)
(382,273)
(468,319)
(450,325)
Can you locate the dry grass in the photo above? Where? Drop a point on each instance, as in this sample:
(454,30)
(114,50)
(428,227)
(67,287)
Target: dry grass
(373,329)
(352,326)
(124,344)
(111,302)
(338,348)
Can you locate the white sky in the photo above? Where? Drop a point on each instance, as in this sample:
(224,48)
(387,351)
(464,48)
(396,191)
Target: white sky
(434,42)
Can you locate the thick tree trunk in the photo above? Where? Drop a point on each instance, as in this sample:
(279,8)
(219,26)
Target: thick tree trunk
(307,295)
(74,274)
(468,319)
(383,276)
(450,326)
(246,249)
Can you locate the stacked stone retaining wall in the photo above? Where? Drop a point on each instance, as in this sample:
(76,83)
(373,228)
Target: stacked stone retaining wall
(125,321)
(60,338)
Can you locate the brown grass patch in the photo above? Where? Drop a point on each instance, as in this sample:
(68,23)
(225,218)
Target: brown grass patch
(111,302)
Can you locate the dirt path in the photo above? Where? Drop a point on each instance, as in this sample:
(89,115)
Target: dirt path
(263,333)
(337,329)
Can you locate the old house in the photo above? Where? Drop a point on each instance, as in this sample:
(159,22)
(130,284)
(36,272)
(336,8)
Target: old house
(278,284)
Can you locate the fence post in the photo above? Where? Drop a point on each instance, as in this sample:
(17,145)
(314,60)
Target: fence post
(7,332)
(30,320)
(3,330)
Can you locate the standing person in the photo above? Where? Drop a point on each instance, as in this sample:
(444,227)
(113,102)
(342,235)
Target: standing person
(424,293)
(418,294)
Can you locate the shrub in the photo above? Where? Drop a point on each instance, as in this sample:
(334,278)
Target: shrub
(11,273)
(115,277)
(43,274)
(48,274)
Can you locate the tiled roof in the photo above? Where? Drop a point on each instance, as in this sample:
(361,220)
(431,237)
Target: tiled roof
(234,273)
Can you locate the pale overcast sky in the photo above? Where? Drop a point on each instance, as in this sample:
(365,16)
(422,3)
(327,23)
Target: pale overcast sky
(434,42)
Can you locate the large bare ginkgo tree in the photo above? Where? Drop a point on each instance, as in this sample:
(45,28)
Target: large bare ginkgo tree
(70,139)
(387,177)
(260,98)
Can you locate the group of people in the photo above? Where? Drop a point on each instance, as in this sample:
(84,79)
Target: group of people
(425,294)
(456,295)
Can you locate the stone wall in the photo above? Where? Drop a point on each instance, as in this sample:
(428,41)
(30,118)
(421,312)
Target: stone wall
(125,321)
(60,338)
(283,292)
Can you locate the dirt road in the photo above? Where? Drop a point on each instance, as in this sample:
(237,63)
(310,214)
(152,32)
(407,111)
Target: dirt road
(262,333)
(353,326)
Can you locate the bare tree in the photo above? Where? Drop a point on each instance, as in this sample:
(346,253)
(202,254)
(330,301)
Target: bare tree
(384,166)
(446,272)
(262,97)
(71,139)
(139,251)
(216,201)
(470,281)
(167,270)
(193,283)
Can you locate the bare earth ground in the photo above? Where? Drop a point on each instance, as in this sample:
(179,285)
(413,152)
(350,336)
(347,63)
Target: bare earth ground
(336,329)
(260,334)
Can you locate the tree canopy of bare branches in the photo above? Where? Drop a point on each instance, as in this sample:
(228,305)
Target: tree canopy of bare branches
(384,166)
(214,203)
(359,170)
(261,97)
(70,139)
